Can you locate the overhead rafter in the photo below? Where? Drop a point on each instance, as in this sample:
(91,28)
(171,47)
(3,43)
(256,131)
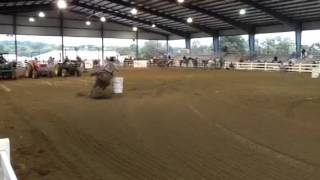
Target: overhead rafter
(121,23)
(26,8)
(243,26)
(14,1)
(106,11)
(284,19)
(202,28)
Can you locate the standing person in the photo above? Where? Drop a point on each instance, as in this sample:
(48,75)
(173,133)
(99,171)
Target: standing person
(104,76)
(184,60)
(303,53)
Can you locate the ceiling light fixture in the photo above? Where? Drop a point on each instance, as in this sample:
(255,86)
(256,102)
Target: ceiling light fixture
(42,14)
(134,11)
(88,23)
(180,1)
(103,19)
(31,19)
(62,4)
(153,25)
(134,29)
(242,11)
(189,20)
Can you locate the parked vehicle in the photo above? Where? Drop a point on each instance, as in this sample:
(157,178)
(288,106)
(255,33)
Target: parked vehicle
(68,68)
(34,69)
(7,69)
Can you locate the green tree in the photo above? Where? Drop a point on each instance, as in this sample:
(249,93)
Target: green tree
(152,49)
(235,44)
(200,50)
(276,46)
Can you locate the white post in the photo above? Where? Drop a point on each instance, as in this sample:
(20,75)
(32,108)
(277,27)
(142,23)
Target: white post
(5,165)
(265,66)
(300,68)
(251,66)
(5,146)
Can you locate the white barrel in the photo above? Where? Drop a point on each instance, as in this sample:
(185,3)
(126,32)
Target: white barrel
(117,85)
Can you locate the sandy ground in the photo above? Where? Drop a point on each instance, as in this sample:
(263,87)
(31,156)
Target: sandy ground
(169,124)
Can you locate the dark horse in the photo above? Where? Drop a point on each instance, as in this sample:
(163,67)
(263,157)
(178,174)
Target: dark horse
(184,61)
(163,62)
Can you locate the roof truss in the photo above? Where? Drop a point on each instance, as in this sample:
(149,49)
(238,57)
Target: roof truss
(106,11)
(166,16)
(284,19)
(236,24)
(121,23)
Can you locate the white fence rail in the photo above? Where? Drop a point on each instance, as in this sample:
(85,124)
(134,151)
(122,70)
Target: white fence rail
(308,68)
(6,170)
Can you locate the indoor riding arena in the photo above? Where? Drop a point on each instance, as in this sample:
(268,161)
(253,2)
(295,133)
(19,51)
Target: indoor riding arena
(159,90)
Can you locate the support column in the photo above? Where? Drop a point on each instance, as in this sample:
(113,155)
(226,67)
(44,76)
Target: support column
(188,43)
(298,41)
(15,36)
(167,46)
(251,45)
(102,42)
(137,44)
(216,45)
(62,35)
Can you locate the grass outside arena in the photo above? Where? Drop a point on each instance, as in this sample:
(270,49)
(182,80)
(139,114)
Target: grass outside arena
(183,124)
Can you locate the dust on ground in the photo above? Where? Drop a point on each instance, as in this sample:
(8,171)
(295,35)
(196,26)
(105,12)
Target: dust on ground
(169,124)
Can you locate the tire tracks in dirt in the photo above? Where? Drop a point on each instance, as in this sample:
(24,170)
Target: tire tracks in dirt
(299,163)
(26,119)
(128,164)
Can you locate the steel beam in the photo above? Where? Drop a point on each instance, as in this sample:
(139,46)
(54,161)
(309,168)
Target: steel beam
(167,43)
(106,11)
(298,34)
(252,45)
(62,35)
(26,8)
(15,1)
(137,44)
(200,27)
(284,19)
(216,45)
(15,36)
(243,26)
(102,41)
(120,23)
(188,43)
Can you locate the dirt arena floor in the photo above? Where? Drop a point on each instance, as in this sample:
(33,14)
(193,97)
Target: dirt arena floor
(169,125)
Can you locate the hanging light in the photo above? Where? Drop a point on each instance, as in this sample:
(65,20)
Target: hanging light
(31,19)
(189,20)
(242,11)
(42,14)
(134,11)
(180,1)
(103,19)
(134,29)
(153,25)
(62,4)
(88,23)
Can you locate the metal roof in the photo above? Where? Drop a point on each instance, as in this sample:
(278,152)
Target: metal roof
(209,16)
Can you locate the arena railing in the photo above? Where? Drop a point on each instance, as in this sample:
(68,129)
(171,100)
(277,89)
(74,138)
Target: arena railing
(301,68)
(6,170)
